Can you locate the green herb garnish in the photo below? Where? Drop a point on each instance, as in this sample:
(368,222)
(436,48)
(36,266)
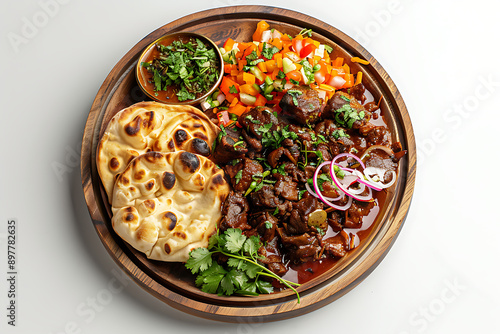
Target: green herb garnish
(192,68)
(241,274)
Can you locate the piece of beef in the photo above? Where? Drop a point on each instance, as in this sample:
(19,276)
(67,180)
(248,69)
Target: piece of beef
(336,246)
(248,169)
(378,136)
(272,258)
(274,157)
(286,188)
(358,92)
(265,197)
(300,248)
(225,149)
(265,224)
(297,224)
(234,212)
(356,212)
(302,104)
(295,173)
(334,106)
(255,118)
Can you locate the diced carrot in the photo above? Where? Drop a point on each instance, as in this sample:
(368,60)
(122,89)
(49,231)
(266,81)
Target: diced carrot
(270,65)
(229,67)
(228,45)
(234,102)
(338,62)
(262,66)
(248,89)
(226,84)
(346,68)
(240,78)
(248,78)
(249,50)
(261,26)
(237,109)
(359,60)
(285,38)
(359,78)
(241,63)
(279,60)
(326,87)
(234,72)
(277,43)
(275,73)
(294,75)
(230,97)
(349,81)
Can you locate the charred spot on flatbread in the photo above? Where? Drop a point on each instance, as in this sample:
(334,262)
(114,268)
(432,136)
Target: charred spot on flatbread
(168,180)
(190,162)
(200,147)
(170,220)
(180,137)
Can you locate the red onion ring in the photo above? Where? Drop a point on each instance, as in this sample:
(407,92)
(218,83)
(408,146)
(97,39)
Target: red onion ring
(327,198)
(321,197)
(365,198)
(349,155)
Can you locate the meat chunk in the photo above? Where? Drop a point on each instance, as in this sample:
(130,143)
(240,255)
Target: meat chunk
(346,111)
(356,212)
(358,92)
(336,246)
(274,157)
(297,224)
(234,212)
(255,118)
(300,248)
(378,136)
(286,188)
(241,174)
(265,224)
(225,149)
(265,197)
(271,257)
(302,104)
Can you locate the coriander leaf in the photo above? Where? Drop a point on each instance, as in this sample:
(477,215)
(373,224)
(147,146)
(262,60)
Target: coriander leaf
(252,245)
(236,263)
(301,193)
(213,241)
(252,269)
(199,260)
(264,287)
(249,288)
(234,240)
(227,285)
(233,90)
(211,283)
(268,52)
(281,75)
(238,278)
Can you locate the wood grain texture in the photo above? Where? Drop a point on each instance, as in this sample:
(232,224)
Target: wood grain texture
(170,282)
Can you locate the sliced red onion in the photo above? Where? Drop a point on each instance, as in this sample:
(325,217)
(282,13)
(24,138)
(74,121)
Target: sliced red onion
(381,174)
(327,198)
(377,147)
(364,198)
(321,197)
(348,155)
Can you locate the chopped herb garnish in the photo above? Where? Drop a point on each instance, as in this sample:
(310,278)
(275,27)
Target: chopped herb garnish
(305,31)
(238,143)
(328,48)
(345,98)
(233,90)
(191,68)
(268,224)
(238,176)
(295,82)
(276,211)
(301,193)
(339,133)
(281,75)
(294,93)
(268,52)
(241,274)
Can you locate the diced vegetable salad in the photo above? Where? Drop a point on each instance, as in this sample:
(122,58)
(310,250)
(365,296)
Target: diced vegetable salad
(259,72)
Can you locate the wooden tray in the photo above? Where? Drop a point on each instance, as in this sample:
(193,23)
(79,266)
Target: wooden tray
(171,282)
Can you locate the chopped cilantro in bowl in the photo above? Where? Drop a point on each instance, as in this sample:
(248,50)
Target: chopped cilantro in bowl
(182,68)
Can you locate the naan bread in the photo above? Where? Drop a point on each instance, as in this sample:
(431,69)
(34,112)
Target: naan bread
(151,126)
(166,204)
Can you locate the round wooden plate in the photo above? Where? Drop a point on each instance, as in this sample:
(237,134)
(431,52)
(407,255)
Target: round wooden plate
(171,282)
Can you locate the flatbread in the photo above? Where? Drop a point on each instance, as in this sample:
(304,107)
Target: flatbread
(166,204)
(151,126)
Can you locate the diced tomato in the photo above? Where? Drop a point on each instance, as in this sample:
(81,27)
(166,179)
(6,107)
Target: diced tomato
(307,50)
(261,100)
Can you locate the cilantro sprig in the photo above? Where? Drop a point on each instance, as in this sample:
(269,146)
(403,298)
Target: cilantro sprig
(241,274)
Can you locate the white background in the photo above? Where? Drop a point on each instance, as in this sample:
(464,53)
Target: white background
(441,276)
